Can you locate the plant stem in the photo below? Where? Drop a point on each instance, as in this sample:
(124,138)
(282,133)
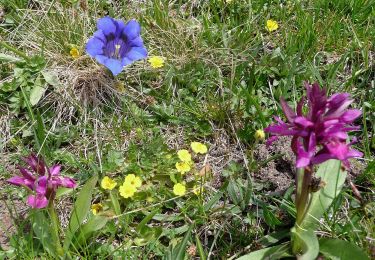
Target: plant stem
(303,196)
(55,227)
(12,49)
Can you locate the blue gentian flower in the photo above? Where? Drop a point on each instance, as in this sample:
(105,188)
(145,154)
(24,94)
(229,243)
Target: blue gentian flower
(116,44)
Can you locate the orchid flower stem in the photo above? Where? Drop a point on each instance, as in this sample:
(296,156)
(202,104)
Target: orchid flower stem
(55,227)
(304,176)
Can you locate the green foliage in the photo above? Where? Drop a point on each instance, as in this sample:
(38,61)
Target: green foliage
(340,249)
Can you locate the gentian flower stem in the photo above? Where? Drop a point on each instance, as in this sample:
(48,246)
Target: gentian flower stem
(55,227)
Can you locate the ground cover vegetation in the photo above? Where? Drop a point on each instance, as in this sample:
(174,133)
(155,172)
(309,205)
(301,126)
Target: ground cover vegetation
(217,129)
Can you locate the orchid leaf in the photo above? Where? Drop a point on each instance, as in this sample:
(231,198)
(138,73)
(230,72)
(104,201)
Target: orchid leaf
(340,250)
(273,252)
(43,231)
(93,224)
(81,209)
(309,243)
(332,178)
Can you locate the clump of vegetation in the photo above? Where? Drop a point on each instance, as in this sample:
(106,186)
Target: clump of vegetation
(158,119)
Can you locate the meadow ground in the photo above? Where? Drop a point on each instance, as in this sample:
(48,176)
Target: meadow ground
(223,75)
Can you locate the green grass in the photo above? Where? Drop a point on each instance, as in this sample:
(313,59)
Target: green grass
(223,78)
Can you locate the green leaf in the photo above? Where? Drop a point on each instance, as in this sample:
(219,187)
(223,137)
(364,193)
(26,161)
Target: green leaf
(43,231)
(36,92)
(8,58)
(50,78)
(274,252)
(81,209)
(141,226)
(93,224)
(341,250)
(115,203)
(201,252)
(179,252)
(309,243)
(333,176)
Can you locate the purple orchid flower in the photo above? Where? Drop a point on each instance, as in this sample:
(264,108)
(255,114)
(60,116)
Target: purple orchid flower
(321,134)
(116,44)
(40,179)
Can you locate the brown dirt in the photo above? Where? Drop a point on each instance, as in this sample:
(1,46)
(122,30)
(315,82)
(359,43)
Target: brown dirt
(277,174)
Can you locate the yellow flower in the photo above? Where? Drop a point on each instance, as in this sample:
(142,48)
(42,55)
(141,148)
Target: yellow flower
(183,167)
(156,61)
(184,155)
(96,208)
(198,147)
(131,179)
(107,183)
(127,190)
(74,52)
(179,189)
(271,25)
(198,189)
(259,134)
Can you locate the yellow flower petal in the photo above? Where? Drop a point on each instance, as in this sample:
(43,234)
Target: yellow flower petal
(133,180)
(271,25)
(179,189)
(259,134)
(198,147)
(107,183)
(96,208)
(74,52)
(184,155)
(127,190)
(156,61)
(183,167)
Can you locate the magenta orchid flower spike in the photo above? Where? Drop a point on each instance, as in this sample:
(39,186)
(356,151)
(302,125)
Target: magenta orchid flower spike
(322,133)
(40,179)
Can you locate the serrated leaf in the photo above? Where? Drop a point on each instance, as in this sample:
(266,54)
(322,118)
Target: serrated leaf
(333,176)
(340,249)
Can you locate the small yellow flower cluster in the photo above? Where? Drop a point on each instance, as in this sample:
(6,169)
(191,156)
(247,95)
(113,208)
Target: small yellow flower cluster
(96,208)
(156,62)
(130,186)
(185,164)
(259,135)
(107,183)
(74,52)
(271,25)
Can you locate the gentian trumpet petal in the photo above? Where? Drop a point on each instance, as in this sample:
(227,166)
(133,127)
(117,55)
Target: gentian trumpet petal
(116,44)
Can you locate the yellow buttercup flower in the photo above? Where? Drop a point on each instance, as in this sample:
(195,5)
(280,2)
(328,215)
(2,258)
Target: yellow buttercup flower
(179,189)
(271,25)
(198,147)
(127,190)
(74,52)
(259,134)
(198,189)
(183,167)
(133,180)
(184,155)
(107,183)
(156,61)
(96,208)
